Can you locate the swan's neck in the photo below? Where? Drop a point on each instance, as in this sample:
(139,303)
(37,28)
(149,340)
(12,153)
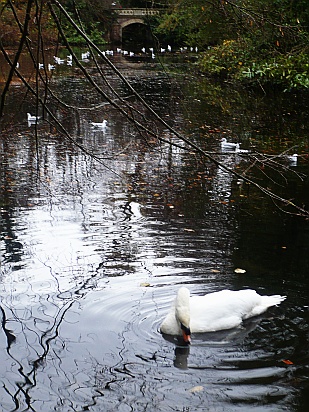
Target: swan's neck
(182,307)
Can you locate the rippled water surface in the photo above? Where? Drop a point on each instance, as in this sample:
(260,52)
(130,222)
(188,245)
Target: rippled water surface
(91,258)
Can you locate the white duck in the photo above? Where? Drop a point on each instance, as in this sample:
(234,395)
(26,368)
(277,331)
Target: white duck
(216,311)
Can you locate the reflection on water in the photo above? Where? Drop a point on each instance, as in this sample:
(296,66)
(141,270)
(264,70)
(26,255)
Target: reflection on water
(90,262)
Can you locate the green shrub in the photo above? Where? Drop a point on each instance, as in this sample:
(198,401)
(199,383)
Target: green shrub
(243,60)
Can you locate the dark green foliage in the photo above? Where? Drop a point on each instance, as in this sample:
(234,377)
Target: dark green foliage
(253,40)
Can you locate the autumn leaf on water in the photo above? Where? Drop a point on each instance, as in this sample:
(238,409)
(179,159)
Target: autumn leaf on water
(287,362)
(196,389)
(240,271)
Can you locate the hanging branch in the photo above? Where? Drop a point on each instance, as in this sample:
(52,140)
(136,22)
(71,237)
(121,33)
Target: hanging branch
(18,53)
(126,109)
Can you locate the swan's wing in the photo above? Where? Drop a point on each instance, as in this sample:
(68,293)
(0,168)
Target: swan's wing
(222,310)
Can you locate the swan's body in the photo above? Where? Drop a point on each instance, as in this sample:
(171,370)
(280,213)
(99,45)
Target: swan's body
(216,311)
(225,145)
(102,125)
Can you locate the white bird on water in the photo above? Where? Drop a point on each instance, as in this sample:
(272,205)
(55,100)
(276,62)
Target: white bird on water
(102,125)
(32,119)
(293,159)
(215,311)
(85,55)
(225,145)
(58,60)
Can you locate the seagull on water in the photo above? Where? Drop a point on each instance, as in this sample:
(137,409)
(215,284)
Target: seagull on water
(293,159)
(225,145)
(31,118)
(102,125)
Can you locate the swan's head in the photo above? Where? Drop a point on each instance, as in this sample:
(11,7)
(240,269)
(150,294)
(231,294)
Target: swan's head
(182,312)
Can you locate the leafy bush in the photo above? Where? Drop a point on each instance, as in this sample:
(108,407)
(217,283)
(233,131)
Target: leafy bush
(243,60)
(292,71)
(226,59)
(92,30)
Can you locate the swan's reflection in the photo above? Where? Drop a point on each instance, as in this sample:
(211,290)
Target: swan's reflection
(181,357)
(182,350)
(235,336)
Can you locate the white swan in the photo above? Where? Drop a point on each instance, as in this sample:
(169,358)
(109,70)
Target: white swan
(216,311)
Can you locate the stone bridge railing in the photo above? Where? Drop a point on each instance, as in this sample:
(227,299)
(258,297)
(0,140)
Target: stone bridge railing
(137,12)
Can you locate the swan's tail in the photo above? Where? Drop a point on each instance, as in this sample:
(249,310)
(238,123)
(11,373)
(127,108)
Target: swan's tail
(267,302)
(272,300)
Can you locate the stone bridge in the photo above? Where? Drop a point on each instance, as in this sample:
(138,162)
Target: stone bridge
(127,17)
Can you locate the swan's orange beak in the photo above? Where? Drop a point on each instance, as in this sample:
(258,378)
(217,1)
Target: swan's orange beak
(186,337)
(186,333)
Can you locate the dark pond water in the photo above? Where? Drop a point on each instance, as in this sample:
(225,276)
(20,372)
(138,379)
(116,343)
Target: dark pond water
(91,256)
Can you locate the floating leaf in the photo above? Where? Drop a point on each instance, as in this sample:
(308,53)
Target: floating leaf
(287,362)
(240,271)
(196,389)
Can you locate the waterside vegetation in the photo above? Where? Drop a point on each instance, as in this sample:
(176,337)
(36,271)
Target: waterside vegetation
(252,41)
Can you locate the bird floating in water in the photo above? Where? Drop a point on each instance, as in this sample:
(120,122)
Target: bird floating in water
(32,119)
(225,145)
(58,60)
(86,55)
(215,311)
(293,159)
(102,125)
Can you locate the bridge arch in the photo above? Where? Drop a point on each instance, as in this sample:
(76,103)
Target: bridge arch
(127,17)
(131,21)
